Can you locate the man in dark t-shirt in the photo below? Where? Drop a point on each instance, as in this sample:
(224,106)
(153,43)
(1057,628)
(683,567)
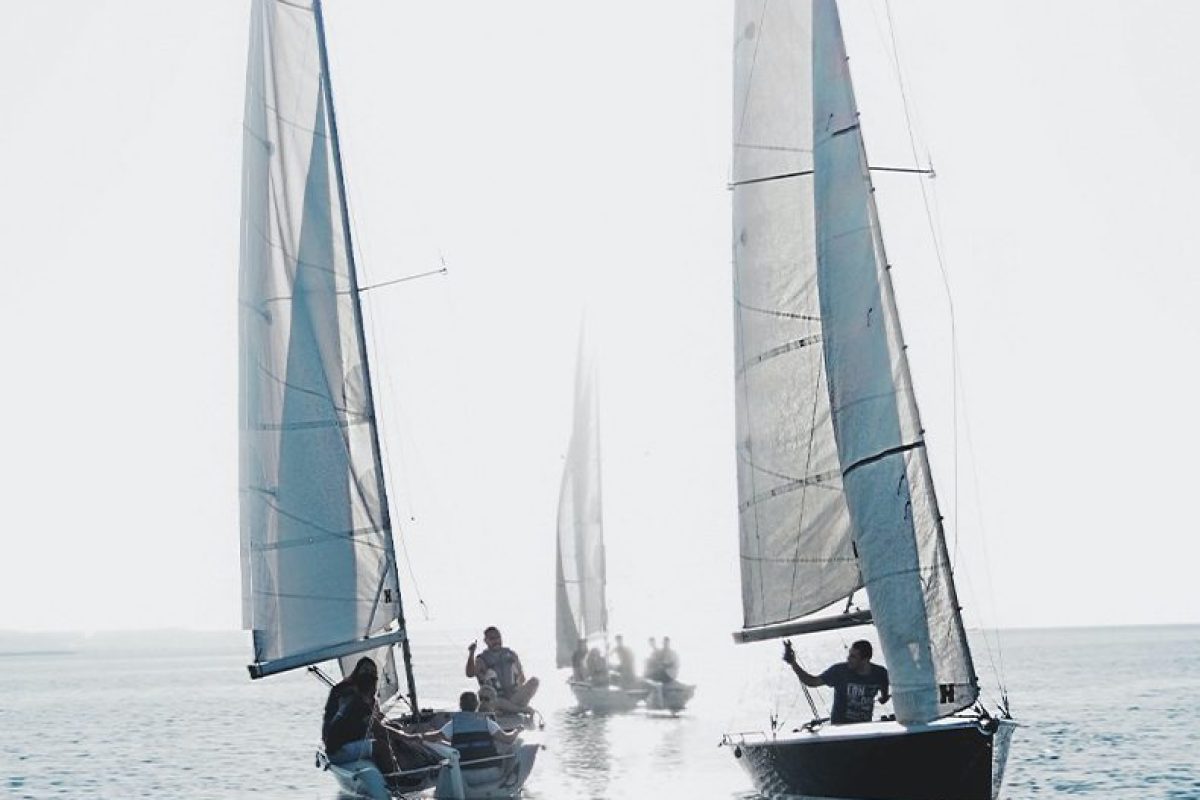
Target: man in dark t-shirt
(855,683)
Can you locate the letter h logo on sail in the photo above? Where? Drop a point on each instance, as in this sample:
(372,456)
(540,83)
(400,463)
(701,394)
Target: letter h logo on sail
(946,691)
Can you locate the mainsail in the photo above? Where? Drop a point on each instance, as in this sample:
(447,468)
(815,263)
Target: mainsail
(833,479)
(579,602)
(318,567)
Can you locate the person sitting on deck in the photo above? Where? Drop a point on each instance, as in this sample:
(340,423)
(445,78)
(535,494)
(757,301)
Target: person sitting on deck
(668,661)
(626,672)
(353,727)
(662,665)
(501,667)
(579,661)
(597,668)
(651,668)
(855,683)
(487,700)
(474,735)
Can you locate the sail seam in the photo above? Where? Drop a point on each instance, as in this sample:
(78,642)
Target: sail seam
(776,313)
(347,535)
(782,349)
(891,451)
(799,560)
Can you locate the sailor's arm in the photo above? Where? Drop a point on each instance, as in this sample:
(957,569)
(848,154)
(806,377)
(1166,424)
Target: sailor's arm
(470,668)
(805,677)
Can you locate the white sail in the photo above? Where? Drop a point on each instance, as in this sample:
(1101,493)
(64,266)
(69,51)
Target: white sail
(318,570)
(797,555)
(813,217)
(580,603)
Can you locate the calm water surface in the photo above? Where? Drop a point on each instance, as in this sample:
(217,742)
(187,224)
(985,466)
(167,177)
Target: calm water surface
(1106,713)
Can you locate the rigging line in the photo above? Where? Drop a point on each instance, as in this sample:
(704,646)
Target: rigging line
(369,330)
(441,271)
(941,261)
(957,386)
(753,63)
(812,435)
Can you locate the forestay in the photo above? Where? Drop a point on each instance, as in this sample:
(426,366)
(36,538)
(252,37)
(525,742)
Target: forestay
(831,462)
(318,572)
(580,603)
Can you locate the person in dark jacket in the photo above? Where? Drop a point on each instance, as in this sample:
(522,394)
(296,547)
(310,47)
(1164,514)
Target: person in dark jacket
(353,727)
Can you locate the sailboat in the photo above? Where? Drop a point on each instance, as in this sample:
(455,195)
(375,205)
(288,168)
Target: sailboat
(319,577)
(581,611)
(834,487)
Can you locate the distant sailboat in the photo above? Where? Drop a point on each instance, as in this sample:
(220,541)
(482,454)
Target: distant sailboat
(834,487)
(319,578)
(581,608)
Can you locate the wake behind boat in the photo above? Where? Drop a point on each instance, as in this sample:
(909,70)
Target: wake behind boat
(319,571)
(834,487)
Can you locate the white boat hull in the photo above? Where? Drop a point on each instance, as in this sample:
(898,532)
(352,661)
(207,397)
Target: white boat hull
(672,696)
(606,699)
(452,781)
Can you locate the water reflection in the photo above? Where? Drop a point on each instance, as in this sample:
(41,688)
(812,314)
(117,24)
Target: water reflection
(584,753)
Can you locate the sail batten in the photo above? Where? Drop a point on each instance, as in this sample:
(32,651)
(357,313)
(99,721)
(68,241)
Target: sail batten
(845,410)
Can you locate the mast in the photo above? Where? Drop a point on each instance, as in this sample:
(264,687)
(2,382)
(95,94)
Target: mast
(381,487)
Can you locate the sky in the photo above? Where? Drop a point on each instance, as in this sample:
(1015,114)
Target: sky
(564,159)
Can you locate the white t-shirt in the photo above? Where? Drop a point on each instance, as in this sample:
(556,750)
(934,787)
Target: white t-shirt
(447,730)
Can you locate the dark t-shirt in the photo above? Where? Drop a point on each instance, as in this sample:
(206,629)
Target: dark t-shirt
(854,694)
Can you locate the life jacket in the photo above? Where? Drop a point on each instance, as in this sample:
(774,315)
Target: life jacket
(504,663)
(472,739)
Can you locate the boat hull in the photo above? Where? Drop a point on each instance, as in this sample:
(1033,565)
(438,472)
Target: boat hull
(954,759)
(606,699)
(672,696)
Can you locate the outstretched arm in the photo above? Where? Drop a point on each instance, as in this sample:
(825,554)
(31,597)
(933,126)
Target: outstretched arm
(470,668)
(805,677)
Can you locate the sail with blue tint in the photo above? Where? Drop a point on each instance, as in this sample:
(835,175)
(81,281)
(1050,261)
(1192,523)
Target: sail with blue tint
(318,568)
(834,483)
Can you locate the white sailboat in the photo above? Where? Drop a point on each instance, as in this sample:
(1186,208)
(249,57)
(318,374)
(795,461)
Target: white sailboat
(834,486)
(319,578)
(580,604)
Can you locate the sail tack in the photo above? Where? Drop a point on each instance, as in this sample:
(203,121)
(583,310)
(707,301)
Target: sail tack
(580,604)
(318,576)
(841,417)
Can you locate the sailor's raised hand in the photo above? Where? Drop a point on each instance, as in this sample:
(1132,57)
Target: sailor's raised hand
(471,647)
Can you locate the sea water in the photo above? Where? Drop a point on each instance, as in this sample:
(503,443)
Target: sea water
(1105,713)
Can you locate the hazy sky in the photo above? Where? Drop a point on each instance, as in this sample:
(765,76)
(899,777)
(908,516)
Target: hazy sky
(559,156)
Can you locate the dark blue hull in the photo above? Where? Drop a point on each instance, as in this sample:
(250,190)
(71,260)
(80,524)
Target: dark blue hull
(946,760)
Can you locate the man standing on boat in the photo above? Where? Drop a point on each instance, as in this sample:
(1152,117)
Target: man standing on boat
(626,672)
(855,683)
(501,667)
